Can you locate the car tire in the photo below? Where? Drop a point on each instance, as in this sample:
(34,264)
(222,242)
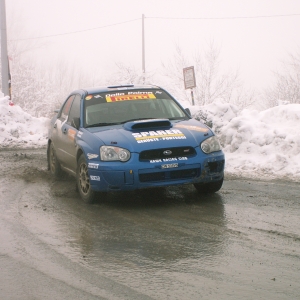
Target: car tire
(54,165)
(83,181)
(208,188)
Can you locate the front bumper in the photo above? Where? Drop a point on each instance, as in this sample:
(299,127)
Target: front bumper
(134,174)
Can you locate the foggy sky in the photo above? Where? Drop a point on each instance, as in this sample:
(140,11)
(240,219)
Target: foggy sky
(250,39)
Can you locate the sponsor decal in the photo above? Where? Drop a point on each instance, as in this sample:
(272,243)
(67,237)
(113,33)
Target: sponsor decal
(79,134)
(92,155)
(88,97)
(98,96)
(71,134)
(139,92)
(95,178)
(152,161)
(192,127)
(159,135)
(115,94)
(182,158)
(168,166)
(93,166)
(133,96)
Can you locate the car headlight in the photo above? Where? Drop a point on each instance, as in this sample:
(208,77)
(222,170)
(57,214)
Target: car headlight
(211,144)
(110,153)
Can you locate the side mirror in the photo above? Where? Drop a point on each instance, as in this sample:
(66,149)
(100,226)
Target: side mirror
(75,123)
(188,112)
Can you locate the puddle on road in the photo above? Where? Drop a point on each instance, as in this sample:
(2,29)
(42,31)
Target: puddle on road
(152,231)
(158,240)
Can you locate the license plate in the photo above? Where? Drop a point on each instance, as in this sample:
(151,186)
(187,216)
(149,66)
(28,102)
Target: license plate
(167,166)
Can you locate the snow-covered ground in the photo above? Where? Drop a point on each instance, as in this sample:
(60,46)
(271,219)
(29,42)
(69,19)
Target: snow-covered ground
(257,144)
(20,129)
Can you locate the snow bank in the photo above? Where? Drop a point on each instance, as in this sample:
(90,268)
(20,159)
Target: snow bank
(20,129)
(256,144)
(266,142)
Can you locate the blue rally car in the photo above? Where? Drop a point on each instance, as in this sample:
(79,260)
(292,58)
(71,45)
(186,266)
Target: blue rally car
(128,137)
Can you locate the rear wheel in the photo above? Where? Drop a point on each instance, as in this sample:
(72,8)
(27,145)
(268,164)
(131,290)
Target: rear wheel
(209,188)
(83,181)
(53,162)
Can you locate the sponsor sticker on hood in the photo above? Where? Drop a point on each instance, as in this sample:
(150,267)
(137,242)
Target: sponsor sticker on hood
(159,135)
(192,127)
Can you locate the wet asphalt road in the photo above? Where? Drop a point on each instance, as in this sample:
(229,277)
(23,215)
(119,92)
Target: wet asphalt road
(241,243)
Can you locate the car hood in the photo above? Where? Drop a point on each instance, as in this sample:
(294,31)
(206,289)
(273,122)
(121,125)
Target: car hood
(157,133)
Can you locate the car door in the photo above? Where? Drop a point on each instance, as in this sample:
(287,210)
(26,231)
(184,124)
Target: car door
(65,133)
(69,132)
(57,134)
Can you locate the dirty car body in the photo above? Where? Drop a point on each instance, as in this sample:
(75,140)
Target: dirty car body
(122,138)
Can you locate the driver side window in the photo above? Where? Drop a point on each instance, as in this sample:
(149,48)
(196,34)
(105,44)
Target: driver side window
(66,108)
(75,109)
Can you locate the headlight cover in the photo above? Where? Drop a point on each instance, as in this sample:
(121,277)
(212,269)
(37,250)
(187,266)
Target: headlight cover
(110,153)
(210,145)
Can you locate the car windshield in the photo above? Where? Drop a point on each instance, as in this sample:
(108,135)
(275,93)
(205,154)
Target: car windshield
(102,109)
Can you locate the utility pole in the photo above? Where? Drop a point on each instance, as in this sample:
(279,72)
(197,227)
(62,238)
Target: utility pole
(143,48)
(4,56)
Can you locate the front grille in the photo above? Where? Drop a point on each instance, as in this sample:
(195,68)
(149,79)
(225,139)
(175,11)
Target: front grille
(159,153)
(169,175)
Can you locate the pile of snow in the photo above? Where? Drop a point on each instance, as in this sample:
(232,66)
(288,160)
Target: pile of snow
(257,144)
(20,129)
(262,144)
(265,142)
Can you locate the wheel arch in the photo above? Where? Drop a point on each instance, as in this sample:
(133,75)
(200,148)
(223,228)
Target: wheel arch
(83,148)
(78,154)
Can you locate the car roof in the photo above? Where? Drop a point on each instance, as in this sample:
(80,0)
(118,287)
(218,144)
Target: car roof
(112,88)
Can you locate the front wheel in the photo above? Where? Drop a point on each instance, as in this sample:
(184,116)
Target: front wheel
(209,188)
(83,181)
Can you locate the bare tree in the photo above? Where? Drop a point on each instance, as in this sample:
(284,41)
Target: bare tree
(173,70)
(32,91)
(38,91)
(212,82)
(244,98)
(128,74)
(287,85)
